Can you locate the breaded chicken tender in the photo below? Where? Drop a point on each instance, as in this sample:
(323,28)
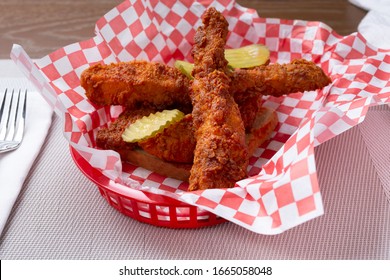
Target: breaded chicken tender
(176,143)
(137,84)
(278,79)
(221,155)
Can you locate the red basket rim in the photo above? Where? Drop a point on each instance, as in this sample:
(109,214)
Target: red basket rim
(193,219)
(100,180)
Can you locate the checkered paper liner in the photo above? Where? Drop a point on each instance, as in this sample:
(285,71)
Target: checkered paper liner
(282,190)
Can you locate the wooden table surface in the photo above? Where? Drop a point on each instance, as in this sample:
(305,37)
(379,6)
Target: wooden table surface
(47,25)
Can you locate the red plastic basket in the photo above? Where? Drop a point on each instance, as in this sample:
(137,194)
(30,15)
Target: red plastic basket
(145,207)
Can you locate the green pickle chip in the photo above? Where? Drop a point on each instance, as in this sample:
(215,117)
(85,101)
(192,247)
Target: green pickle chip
(149,126)
(244,57)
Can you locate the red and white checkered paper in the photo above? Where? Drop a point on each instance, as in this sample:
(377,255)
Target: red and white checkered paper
(282,190)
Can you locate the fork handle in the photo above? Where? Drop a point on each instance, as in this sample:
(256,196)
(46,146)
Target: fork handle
(8,146)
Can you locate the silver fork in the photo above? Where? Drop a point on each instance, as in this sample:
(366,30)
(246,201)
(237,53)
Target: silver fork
(12,119)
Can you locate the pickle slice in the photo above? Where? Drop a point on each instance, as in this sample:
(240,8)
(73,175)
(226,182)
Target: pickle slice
(248,56)
(148,126)
(185,67)
(244,57)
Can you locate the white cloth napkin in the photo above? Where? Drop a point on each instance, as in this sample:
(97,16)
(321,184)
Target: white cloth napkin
(15,165)
(375,26)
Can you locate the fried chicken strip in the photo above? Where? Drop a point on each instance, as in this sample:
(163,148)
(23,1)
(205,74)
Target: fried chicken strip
(278,79)
(176,143)
(150,83)
(221,156)
(248,85)
(137,84)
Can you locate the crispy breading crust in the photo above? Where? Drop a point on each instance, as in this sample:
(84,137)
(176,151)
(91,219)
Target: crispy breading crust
(278,79)
(149,83)
(176,143)
(137,84)
(221,156)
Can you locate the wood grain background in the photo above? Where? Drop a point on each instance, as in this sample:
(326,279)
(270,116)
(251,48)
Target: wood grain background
(46,25)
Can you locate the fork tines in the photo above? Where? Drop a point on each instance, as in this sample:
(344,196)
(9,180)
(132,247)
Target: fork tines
(12,119)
